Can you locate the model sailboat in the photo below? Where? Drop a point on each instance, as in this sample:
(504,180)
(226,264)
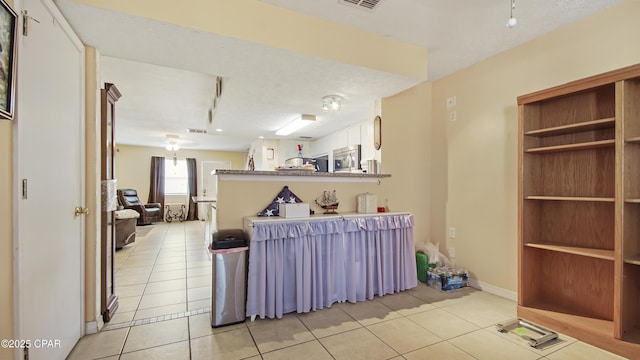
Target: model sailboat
(328,201)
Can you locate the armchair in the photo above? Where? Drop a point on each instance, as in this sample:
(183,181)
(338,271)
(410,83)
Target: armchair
(149,213)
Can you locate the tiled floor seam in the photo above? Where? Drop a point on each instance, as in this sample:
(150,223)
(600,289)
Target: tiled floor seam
(158,318)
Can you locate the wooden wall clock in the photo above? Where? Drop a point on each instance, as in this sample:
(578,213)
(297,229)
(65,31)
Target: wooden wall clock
(377,132)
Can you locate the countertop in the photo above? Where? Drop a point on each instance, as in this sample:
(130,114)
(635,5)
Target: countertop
(301,175)
(203,199)
(255,219)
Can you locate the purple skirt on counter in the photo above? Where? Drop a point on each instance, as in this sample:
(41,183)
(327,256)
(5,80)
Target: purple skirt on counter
(306,265)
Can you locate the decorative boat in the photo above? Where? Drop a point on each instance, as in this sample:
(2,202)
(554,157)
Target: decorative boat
(328,201)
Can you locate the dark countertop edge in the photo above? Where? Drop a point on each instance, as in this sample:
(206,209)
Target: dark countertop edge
(301,173)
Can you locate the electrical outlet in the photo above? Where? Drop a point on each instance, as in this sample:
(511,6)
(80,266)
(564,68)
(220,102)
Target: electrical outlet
(452,115)
(452,233)
(452,252)
(451,102)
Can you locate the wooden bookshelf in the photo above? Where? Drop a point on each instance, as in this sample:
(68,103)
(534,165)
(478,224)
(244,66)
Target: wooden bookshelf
(579,210)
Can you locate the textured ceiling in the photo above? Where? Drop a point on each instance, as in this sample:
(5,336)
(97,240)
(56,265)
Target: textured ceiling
(166,73)
(457,33)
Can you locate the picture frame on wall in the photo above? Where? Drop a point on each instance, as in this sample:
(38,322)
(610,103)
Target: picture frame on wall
(8,22)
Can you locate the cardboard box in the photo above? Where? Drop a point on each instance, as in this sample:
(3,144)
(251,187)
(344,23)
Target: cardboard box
(367,203)
(298,210)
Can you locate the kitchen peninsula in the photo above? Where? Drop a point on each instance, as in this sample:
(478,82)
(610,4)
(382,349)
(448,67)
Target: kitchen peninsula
(329,258)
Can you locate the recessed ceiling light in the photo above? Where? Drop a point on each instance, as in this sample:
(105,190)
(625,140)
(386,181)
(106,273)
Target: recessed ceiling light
(219,130)
(260,137)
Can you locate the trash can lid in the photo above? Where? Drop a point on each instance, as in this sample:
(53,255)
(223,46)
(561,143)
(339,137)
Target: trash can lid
(228,239)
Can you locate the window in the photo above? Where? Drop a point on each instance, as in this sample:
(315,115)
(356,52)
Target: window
(175,177)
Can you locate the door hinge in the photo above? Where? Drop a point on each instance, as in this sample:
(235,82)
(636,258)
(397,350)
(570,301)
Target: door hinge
(26,353)
(25,22)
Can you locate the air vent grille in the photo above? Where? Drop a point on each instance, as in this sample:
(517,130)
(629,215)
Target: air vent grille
(361,4)
(196,131)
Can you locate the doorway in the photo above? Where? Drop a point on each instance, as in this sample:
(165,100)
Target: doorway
(209,183)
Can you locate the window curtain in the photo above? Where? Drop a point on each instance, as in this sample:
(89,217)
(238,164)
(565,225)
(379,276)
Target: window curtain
(193,188)
(156,188)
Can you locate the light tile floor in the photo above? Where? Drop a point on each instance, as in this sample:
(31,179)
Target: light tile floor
(164,285)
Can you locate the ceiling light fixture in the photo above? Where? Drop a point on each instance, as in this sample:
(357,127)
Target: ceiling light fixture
(172,143)
(332,103)
(512,21)
(172,147)
(297,124)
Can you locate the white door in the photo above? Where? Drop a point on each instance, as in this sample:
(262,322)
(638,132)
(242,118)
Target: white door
(50,133)
(209,184)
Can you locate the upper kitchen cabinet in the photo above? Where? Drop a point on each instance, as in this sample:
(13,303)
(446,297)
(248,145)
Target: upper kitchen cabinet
(358,134)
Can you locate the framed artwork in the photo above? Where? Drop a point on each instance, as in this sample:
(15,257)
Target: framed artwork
(8,20)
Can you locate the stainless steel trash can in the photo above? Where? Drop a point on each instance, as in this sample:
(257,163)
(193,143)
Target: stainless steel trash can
(229,281)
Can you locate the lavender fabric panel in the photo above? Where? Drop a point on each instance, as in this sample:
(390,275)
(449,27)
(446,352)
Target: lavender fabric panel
(300,270)
(307,265)
(362,265)
(379,256)
(283,230)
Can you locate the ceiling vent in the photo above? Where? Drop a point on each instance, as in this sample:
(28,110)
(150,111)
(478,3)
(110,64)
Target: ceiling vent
(196,131)
(361,4)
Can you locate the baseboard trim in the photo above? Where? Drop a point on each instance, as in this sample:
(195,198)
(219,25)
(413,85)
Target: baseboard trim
(93,327)
(507,294)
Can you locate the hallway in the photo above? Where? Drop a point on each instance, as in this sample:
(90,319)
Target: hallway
(164,288)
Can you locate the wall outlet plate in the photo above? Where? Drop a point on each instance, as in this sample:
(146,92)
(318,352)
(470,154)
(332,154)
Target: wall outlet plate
(452,252)
(451,102)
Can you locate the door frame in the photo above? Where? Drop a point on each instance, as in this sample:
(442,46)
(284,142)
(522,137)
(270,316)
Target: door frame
(201,186)
(17,182)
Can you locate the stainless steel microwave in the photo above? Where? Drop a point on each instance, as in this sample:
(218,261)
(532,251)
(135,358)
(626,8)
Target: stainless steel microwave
(347,159)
